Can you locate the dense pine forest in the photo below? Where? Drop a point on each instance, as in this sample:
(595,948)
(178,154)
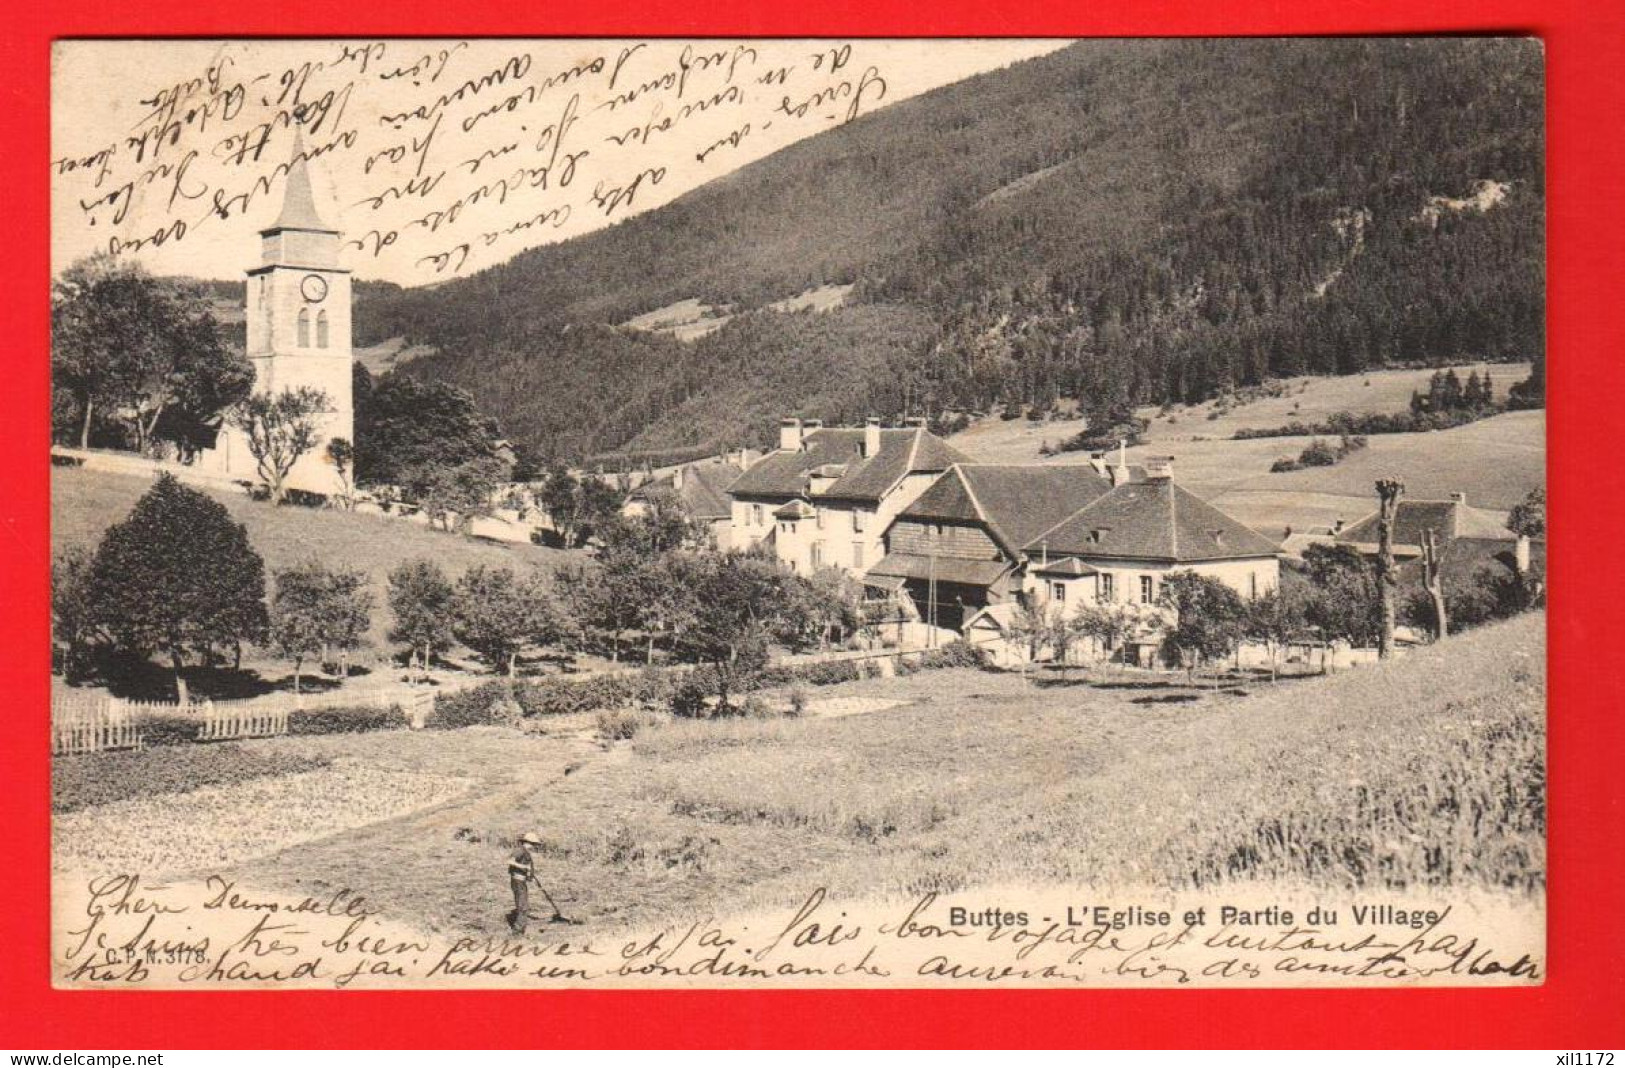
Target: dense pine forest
(1116,223)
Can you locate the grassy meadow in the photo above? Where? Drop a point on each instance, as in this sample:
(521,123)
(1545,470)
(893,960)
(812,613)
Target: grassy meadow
(1428,770)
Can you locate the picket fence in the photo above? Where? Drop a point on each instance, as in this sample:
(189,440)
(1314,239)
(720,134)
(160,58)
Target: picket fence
(219,723)
(92,724)
(91,727)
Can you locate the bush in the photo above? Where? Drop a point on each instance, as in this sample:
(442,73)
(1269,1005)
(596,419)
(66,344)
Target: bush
(956,654)
(688,698)
(161,730)
(798,700)
(490,704)
(1318,454)
(350,719)
(621,724)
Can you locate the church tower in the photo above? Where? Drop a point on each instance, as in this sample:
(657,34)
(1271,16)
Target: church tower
(298,314)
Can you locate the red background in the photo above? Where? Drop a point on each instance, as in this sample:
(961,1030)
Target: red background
(1582,1006)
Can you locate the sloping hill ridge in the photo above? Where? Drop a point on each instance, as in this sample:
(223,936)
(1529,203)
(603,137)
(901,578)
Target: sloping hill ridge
(1115,222)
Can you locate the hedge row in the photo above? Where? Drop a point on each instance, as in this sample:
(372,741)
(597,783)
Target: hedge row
(162,730)
(501,702)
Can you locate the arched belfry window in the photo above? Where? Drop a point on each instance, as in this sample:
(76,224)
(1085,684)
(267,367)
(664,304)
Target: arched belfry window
(304,328)
(321,329)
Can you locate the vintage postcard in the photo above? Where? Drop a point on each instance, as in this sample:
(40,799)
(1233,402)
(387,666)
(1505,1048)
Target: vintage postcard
(802,513)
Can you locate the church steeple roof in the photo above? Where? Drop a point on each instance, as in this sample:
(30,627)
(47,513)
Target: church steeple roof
(298,200)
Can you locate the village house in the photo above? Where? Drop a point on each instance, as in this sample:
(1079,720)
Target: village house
(985,539)
(1469,540)
(958,548)
(1119,548)
(702,488)
(825,497)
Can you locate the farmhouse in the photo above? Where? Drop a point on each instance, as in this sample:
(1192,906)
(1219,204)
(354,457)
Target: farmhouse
(825,497)
(985,538)
(1120,546)
(1469,539)
(702,487)
(959,547)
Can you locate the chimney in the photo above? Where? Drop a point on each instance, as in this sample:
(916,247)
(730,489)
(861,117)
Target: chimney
(871,438)
(1460,500)
(1120,472)
(1158,468)
(1337,527)
(789,434)
(1098,462)
(1520,554)
(678,475)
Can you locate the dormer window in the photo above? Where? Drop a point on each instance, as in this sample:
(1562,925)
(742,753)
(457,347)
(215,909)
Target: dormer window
(1218,536)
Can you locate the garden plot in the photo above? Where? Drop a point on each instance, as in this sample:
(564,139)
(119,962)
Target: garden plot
(223,825)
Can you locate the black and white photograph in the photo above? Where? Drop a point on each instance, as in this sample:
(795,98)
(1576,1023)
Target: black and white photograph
(798,513)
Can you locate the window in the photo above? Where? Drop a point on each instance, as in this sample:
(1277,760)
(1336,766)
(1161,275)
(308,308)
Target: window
(1057,591)
(1148,589)
(1252,582)
(818,519)
(857,554)
(1108,591)
(817,554)
(321,329)
(857,521)
(304,328)
(756,515)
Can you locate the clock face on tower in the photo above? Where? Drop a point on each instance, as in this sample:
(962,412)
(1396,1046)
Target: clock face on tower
(314,288)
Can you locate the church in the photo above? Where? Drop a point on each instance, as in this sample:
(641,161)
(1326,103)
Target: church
(297,307)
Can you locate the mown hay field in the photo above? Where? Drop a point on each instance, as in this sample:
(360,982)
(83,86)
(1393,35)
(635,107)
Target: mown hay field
(1425,771)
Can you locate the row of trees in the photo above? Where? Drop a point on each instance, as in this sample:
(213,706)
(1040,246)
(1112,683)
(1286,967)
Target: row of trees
(178,578)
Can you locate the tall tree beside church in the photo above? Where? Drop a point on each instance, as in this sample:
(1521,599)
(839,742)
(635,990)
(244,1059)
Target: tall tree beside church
(281,429)
(132,349)
(178,577)
(404,424)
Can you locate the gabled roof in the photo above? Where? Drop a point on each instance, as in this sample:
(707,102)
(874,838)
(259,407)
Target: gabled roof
(704,491)
(901,452)
(1412,519)
(1155,520)
(1015,502)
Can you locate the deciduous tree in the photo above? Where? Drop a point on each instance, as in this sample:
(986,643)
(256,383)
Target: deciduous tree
(281,428)
(1209,618)
(177,576)
(421,597)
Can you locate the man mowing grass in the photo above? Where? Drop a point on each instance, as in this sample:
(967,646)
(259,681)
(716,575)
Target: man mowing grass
(521,873)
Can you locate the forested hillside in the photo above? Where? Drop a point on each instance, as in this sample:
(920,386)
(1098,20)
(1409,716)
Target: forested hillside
(1119,222)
